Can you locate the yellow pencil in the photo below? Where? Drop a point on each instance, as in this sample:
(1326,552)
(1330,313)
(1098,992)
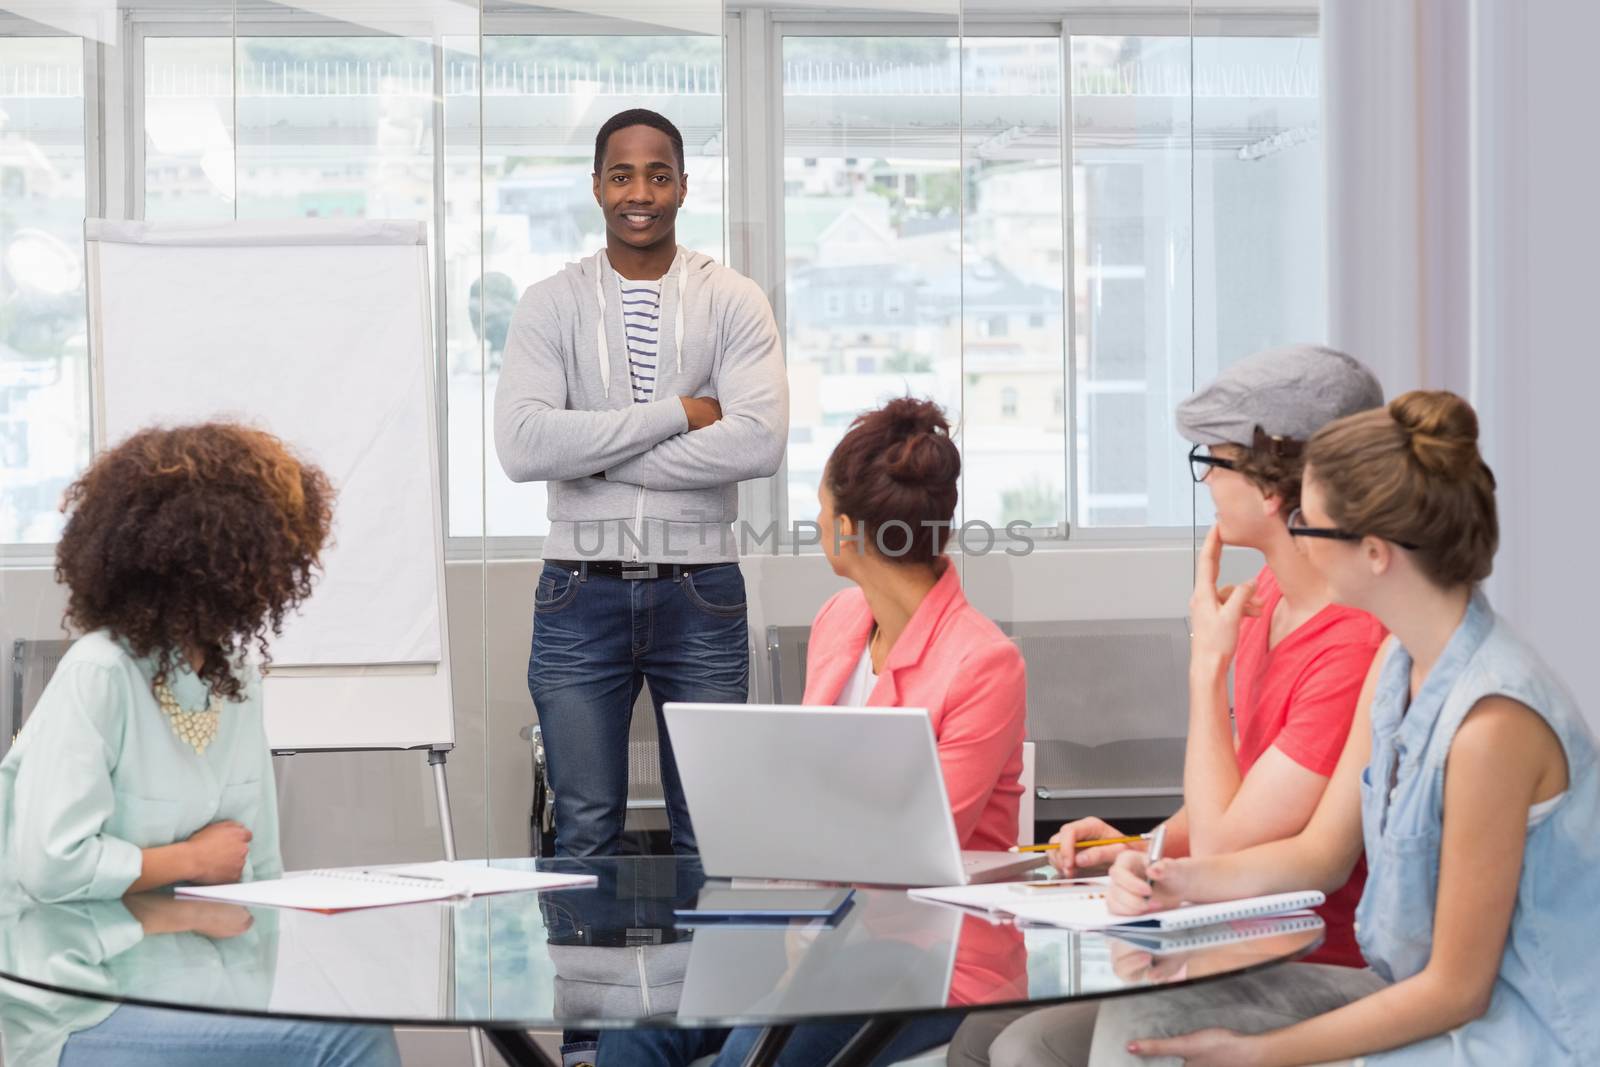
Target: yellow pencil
(1082,844)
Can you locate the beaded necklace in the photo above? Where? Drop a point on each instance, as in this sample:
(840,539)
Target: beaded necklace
(197,729)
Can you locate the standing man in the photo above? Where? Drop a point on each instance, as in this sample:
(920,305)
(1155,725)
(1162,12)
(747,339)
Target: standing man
(642,384)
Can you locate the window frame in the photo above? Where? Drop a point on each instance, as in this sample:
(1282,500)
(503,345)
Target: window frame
(21,554)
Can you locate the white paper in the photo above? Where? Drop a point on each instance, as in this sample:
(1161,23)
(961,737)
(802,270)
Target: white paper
(316,891)
(1000,897)
(345,889)
(477,878)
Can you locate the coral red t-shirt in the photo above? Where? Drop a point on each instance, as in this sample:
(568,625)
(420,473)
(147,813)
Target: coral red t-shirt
(1301,697)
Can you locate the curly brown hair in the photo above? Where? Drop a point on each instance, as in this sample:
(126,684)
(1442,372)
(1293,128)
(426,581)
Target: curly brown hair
(194,539)
(1275,474)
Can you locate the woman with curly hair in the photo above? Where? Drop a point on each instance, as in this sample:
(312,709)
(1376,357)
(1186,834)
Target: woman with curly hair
(145,762)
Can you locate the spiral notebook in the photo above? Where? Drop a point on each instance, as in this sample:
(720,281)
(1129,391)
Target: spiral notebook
(1163,942)
(1088,911)
(348,888)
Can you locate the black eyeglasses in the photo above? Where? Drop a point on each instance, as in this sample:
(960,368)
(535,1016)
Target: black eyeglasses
(1200,463)
(1298,528)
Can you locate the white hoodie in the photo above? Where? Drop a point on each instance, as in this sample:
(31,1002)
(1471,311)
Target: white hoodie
(666,495)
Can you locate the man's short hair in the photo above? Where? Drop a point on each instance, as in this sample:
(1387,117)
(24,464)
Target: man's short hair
(637,116)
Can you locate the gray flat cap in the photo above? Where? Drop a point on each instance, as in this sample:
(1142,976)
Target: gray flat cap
(1289,392)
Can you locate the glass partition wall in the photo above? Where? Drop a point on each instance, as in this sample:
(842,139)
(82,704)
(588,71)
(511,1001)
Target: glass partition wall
(258,111)
(1053,219)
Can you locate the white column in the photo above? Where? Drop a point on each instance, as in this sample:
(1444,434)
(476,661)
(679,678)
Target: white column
(1463,226)
(1536,358)
(1372,127)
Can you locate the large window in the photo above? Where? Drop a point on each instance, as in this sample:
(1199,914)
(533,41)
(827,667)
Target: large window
(924,238)
(44,393)
(871,208)
(1197,240)
(942,234)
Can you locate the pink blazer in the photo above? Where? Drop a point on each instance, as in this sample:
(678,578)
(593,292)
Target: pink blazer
(957,664)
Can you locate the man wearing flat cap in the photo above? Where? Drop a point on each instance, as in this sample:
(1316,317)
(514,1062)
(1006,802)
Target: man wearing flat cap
(1298,659)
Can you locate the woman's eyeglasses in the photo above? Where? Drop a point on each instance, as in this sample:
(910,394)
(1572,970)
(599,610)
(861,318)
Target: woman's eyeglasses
(1200,463)
(1298,528)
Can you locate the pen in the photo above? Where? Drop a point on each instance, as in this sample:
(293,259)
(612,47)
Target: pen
(1083,844)
(1158,838)
(399,874)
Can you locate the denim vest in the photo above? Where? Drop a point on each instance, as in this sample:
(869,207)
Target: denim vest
(1545,1006)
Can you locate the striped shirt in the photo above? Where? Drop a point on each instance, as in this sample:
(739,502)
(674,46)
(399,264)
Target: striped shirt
(641,324)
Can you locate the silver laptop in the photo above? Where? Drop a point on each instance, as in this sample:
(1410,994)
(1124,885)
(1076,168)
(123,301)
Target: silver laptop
(833,794)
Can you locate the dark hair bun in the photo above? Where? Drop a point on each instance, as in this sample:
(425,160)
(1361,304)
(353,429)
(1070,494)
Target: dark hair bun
(908,415)
(923,453)
(1442,429)
(898,470)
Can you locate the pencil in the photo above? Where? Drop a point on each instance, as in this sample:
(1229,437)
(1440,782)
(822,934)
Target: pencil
(1082,844)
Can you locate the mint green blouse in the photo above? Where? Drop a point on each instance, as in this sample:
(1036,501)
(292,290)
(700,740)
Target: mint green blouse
(98,773)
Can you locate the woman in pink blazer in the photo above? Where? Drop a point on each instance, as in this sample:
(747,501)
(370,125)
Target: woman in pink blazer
(903,635)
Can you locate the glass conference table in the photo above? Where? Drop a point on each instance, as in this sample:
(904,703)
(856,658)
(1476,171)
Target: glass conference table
(601,957)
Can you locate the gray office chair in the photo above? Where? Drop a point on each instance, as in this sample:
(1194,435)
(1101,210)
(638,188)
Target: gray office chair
(786,663)
(33,662)
(1108,710)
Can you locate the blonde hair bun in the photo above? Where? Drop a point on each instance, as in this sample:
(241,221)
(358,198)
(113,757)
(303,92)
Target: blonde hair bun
(1411,473)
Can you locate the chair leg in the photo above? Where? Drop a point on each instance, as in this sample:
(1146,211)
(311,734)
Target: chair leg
(765,1052)
(868,1042)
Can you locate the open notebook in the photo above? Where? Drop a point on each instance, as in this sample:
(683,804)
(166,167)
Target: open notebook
(347,888)
(1084,908)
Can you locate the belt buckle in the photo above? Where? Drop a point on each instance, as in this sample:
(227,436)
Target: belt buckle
(634,571)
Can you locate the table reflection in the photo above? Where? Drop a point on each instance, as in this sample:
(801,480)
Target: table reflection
(166,949)
(601,957)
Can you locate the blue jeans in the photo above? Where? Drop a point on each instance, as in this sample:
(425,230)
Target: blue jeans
(811,1045)
(133,1036)
(596,641)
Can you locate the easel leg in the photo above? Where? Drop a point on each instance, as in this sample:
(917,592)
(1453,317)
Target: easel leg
(441,790)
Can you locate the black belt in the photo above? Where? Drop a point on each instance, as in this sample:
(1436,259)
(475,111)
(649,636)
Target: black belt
(616,568)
